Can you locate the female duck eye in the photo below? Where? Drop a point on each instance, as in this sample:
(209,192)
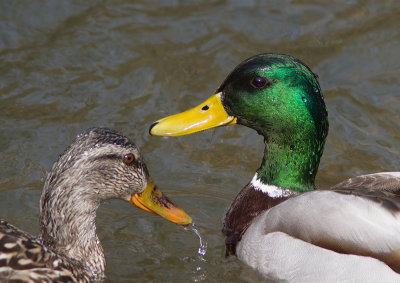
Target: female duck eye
(259,82)
(129,158)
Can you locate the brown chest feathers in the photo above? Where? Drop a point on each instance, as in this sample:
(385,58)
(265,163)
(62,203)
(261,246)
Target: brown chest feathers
(248,204)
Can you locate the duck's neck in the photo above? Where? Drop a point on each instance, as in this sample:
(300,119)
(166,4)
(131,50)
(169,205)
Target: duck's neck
(67,220)
(290,165)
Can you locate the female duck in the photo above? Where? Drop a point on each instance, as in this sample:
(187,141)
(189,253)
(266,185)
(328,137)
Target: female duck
(100,165)
(278,223)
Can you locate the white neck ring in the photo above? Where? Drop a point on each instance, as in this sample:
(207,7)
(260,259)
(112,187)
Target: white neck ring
(272,190)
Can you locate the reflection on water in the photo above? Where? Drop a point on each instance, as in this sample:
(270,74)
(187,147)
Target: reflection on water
(68,65)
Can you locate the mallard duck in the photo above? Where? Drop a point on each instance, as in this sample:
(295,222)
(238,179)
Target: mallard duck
(279,224)
(99,165)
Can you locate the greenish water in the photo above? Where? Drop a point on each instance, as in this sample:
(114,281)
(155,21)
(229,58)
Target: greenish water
(68,65)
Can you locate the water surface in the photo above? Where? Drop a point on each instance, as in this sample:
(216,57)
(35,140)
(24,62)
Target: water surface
(69,65)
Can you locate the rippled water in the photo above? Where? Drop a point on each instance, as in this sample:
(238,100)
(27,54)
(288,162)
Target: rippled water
(69,65)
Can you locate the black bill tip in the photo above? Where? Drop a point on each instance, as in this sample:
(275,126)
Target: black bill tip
(151,127)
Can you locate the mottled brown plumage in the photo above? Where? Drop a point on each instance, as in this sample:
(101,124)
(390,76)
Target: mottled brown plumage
(99,165)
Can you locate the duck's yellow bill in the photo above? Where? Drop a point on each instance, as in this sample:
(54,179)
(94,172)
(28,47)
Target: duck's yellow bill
(207,115)
(154,201)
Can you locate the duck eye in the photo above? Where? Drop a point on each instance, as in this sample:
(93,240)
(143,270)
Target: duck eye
(129,158)
(259,82)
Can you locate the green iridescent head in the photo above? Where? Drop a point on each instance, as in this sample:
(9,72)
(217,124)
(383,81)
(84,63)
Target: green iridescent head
(278,96)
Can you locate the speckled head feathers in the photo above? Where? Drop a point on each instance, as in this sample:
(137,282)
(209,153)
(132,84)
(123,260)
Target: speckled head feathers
(95,160)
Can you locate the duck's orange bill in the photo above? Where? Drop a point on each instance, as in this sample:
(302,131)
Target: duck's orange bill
(209,114)
(154,201)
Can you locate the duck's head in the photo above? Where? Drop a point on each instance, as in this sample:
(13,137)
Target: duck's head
(100,165)
(277,95)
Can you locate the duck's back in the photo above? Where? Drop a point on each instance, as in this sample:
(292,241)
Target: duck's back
(25,259)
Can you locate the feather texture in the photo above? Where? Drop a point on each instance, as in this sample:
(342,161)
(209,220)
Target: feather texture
(99,165)
(351,219)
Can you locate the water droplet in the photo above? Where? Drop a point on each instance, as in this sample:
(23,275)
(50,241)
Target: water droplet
(203,244)
(201,252)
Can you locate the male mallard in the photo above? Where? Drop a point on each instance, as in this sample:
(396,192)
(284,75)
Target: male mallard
(100,165)
(278,223)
